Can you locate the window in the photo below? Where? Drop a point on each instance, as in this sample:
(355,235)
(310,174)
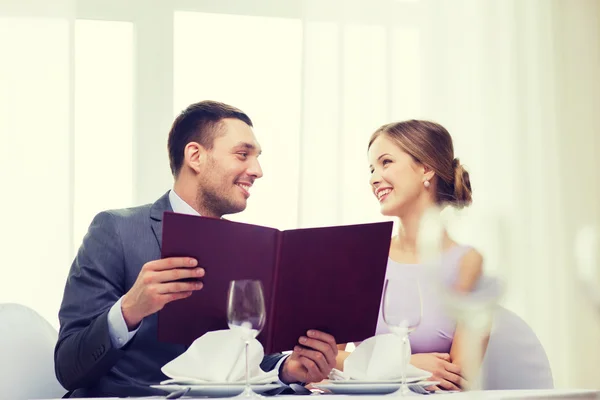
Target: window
(253,63)
(35,161)
(59,163)
(103,145)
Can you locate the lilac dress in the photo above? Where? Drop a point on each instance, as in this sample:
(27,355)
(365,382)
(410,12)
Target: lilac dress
(514,358)
(436,331)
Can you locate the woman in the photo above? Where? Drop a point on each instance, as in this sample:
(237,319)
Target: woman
(412,169)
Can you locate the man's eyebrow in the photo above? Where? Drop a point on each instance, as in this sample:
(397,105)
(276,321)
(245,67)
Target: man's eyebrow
(248,146)
(379,158)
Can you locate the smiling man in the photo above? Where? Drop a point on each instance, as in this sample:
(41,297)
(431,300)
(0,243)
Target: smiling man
(107,344)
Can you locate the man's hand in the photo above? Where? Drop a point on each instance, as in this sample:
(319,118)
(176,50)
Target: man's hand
(443,370)
(312,360)
(155,287)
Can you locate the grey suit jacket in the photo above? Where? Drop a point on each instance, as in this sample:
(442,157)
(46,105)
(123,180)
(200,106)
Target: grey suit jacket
(117,245)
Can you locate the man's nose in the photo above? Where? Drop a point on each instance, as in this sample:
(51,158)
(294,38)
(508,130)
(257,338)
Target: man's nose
(255,170)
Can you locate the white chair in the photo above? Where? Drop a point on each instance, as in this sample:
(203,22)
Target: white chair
(27,343)
(515,358)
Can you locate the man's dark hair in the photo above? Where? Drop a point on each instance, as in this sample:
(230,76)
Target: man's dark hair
(200,123)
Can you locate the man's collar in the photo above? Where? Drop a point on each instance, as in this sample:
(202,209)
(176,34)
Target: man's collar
(180,206)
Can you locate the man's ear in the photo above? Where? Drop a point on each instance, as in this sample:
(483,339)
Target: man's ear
(194,156)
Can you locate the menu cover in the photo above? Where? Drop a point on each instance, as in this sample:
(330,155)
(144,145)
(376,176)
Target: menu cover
(329,278)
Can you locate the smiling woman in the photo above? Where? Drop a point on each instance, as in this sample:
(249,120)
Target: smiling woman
(411,155)
(413,169)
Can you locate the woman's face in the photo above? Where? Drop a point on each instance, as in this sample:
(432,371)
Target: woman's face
(396,178)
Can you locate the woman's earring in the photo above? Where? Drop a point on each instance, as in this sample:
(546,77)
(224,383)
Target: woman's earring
(426,183)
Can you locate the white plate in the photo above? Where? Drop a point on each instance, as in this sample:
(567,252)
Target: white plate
(197,382)
(356,381)
(262,378)
(366,388)
(222,390)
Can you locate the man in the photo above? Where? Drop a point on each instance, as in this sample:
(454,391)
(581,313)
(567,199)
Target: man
(107,344)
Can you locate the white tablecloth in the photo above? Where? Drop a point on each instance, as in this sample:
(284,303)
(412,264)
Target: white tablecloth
(578,394)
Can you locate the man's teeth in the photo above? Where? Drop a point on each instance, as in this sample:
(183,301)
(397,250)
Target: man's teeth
(383,193)
(245,187)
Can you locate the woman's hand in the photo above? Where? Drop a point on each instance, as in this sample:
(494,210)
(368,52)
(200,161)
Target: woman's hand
(443,370)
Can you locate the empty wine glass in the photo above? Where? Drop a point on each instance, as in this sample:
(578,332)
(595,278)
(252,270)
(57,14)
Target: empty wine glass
(246,314)
(487,233)
(402,312)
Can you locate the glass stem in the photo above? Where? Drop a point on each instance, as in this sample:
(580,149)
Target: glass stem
(247,368)
(405,357)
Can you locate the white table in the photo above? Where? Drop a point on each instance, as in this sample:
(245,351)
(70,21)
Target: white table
(576,394)
(529,394)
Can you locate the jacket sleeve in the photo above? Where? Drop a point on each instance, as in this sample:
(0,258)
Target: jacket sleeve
(84,352)
(270,361)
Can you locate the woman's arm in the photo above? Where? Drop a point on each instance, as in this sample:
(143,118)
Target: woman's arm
(460,343)
(469,271)
(342,355)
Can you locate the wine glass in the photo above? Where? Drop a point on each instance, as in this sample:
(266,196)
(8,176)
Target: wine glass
(487,232)
(402,312)
(246,315)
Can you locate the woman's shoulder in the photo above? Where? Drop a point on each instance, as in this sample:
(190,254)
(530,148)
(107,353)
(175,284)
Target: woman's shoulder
(463,253)
(470,269)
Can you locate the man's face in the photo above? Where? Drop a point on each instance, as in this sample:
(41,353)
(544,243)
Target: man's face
(229,170)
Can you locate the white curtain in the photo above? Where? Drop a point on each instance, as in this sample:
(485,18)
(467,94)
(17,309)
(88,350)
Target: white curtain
(577,184)
(88,89)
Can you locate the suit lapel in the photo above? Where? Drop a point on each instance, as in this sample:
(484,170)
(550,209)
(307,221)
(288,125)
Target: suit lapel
(156,215)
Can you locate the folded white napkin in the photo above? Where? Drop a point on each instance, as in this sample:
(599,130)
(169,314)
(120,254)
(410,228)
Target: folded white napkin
(378,359)
(219,357)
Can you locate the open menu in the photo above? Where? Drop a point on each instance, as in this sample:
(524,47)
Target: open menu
(330,278)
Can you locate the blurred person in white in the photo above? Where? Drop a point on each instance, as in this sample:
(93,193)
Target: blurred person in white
(413,168)
(107,343)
